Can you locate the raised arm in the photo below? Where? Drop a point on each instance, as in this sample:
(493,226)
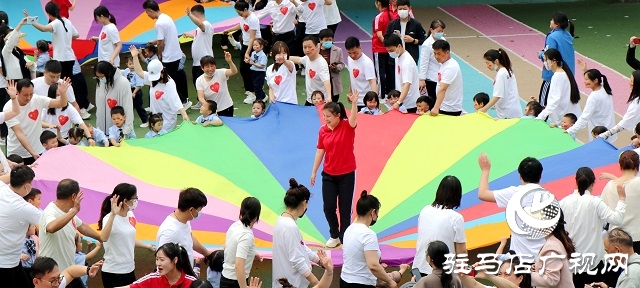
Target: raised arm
(107,227)
(40,27)
(353,118)
(62,101)
(136,61)
(15,106)
(484,193)
(58,223)
(195,20)
(233,70)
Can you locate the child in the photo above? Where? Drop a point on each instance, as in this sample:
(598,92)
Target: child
(317,98)
(16,159)
(258,62)
(49,140)
(214,261)
(395,275)
(80,258)
(34,197)
(155,126)
(601,129)
(98,135)
(393,97)
(116,132)
(532,109)
(208,116)
(42,56)
(333,55)
(372,104)
(257,109)
(75,137)
(480,100)
(148,53)
(424,104)
(29,249)
(568,120)
(136,93)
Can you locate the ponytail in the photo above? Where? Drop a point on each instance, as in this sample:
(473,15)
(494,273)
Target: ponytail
(605,85)
(335,109)
(584,179)
(53,9)
(112,19)
(106,209)
(505,61)
(104,12)
(125,191)
(250,210)
(594,74)
(175,250)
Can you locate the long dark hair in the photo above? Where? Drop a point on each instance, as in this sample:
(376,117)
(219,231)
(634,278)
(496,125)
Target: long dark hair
(103,11)
(635,90)
(554,54)
(53,9)
(435,24)
(276,49)
(563,22)
(562,235)
(584,179)
(53,90)
(501,56)
(173,251)
(594,74)
(126,191)
(250,210)
(108,70)
(449,193)
(437,251)
(335,109)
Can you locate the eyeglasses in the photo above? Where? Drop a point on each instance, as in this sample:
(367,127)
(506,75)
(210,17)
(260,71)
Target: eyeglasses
(54,282)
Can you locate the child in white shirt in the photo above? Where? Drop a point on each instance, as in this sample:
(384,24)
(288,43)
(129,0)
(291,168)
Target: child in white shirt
(372,104)
(424,104)
(257,109)
(568,120)
(117,132)
(208,115)
(258,62)
(155,126)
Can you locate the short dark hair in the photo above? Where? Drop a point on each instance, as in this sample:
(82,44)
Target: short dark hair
(325,33)
(32,194)
(535,107)
(117,110)
(426,99)
(207,60)
(530,169)
(53,66)
(46,136)
(481,98)
(213,106)
(249,209)
(601,129)
(150,4)
(449,193)
(392,40)
(351,42)
(621,237)
(15,158)
(66,188)
(394,94)
(571,116)
(312,38)
(21,175)
(262,104)
(441,45)
(241,6)
(197,9)
(23,83)
(42,45)
(403,3)
(41,266)
(191,198)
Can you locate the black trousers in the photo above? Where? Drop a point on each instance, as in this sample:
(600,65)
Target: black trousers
(353,285)
(226,112)
(172,69)
(288,38)
(258,84)
(76,283)
(431,89)
(384,69)
(333,27)
(245,70)
(229,283)
(67,69)
(458,113)
(301,27)
(4,98)
(110,280)
(14,277)
(337,193)
(196,71)
(579,280)
(138,105)
(27,161)
(79,85)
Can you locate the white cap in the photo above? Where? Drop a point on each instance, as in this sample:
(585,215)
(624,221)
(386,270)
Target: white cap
(154,69)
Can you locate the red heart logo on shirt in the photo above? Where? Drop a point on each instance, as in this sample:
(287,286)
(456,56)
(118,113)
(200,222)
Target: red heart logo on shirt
(398,69)
(111,103)
(245,27)
(284,10)
(312,6)
(278,79)
(63,119)
(33,115)
(103,36)
(158,94)
(439,77)
(215,87)
(356,72)
(132,221)
(312,73)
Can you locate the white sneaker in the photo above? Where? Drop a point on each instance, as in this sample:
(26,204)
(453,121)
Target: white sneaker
(247,93)
(302,73)
(196,107)
(144,125)
(187,104)
(91,106)
(84,114)
(250,98)
(148,109)
(332,243)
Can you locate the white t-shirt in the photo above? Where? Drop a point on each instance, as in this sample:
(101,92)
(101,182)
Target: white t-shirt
(164,99)
(451,74)
(61,40)
(631,220)
(291,257)
(238,244)
(216,89)
(202,43)
(316,72)
(173,231)
(118,251)
(506,88)
(559,100)
(30,120)
(166,30)
(407,72)
(40,87)
(313,13)
(15,217)
(360,72)
(246,25)
(12,62)
(429,66)
(436,223)
(282,15)
(332,13)
(66,119)
(598,111)
(109,37)
(520,243)
(358,238)
(283,83)
(60,245)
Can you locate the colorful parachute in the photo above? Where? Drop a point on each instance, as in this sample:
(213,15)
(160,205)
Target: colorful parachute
(136,28)
(401,159)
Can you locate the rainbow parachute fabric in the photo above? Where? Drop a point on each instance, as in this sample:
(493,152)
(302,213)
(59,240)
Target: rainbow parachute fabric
(401,159)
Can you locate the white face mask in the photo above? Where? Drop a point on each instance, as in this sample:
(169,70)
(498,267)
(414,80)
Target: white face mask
(393,55)
(495,67)
(209,75)
(134,204)
(547,65)
(403,14)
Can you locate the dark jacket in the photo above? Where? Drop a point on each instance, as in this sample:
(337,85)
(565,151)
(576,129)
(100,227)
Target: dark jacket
(415,30)
(631,58)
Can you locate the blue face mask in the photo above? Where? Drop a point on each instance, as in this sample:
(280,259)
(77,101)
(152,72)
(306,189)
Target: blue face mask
(197,216)
(393,55)
(438,35)
(102,80)
(327,44)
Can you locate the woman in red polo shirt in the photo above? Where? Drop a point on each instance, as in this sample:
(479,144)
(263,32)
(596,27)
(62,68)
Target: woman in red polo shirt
(174,269)
(335,144)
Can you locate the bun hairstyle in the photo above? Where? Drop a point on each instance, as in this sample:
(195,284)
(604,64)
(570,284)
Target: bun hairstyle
(366,203)
(584,179)
(296,194)
(173,251)
(629,160)
(249,210)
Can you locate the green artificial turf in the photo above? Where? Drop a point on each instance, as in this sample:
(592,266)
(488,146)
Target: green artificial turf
(603,28)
